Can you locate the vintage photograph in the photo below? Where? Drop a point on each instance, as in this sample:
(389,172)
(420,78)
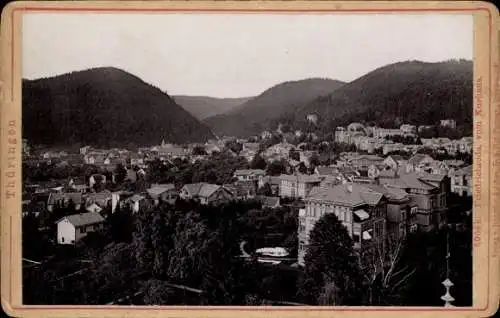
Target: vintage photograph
(247,159)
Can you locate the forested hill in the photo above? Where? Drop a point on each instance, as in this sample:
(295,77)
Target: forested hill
(204,106)
(411,92)
(104,107)
(260,112)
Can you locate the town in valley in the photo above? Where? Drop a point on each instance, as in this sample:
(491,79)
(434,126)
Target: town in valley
(247,159)
(137,221)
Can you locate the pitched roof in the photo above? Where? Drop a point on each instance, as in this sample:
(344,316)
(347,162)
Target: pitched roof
(416,159)
(136,198)
(269,201)
(397,157)
(157,189)
(324,171)
(300,177)
(201,189)
(406,181)
(464,171)
(76,197)
(83,219)
(341,194)
(243,172)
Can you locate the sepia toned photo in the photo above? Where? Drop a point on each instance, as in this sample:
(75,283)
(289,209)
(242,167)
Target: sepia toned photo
(249,158)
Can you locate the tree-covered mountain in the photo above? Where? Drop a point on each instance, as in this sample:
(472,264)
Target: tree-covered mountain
(411,92)
(260,112)
(204,106)
(104,107)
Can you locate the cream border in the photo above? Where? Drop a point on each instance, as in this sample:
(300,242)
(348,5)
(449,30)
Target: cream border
(487,115)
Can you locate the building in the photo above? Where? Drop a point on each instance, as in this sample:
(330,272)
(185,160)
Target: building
(297,186)
(363,162)
(136,203)
(429,194)
(394,161)
(206,193)
(273,182)
(450,123)
(249,174)
(72,228)
(63,200)
(360,209)
(461,181)
(382,133)
(418,163)
(408,130)
(270,202)
(163,193)
(312,118)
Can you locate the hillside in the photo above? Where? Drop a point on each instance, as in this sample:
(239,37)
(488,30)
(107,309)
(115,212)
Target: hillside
(261,112)
(104,107)
(203,106)
(413,92)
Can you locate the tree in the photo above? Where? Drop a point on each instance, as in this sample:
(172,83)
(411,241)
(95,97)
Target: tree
(258,162)
(294,154)
(157,292)
(120,173)
(330,259)
(199,151)
(121,224)
(386,277)
(276,168)
(266,190)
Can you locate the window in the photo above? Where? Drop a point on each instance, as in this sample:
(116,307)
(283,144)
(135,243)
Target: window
(413,210)
(414,228)
(62,239)
(83,229)
(356,238)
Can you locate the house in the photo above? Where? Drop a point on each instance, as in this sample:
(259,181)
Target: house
(243,189)
(136,160)
(101,199)
(401,215)
(450,123)
(298,185)
(206,193)
(324,171)
(95,179)
(273,182)
(136,202)
(278,151)
(360,209)
(93,208)
(72,228)
(64,199)
(418,162)
(312,118)
(429,193)
(363,162)
(461,181)
(163,193)
(270,202)
(249,174)
(394,161)
(77,185)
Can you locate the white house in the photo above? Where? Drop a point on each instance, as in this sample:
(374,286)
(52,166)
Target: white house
(72,228)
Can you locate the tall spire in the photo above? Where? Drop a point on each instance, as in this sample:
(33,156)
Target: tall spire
(447,298)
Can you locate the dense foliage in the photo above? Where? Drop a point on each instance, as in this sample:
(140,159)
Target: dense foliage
(104,107)
(203,106)
(258,113)
(404,92)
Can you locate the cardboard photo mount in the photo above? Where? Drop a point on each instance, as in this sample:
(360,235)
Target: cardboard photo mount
(486,163)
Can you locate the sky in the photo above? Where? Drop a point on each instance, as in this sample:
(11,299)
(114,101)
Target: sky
(237,55)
